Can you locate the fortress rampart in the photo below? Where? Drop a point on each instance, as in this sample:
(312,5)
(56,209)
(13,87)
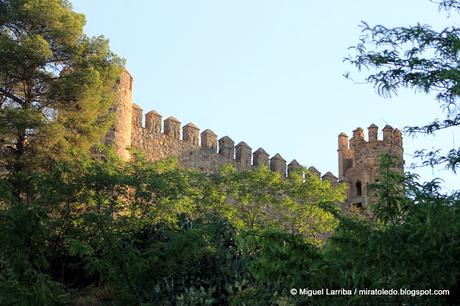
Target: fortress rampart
(159,139)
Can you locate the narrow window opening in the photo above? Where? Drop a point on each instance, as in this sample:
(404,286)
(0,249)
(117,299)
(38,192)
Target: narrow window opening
(359,190)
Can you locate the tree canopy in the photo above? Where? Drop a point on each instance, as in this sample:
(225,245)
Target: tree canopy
(419,58)
(80,226)
(55,83)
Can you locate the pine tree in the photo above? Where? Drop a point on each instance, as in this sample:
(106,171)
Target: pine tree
(55,86)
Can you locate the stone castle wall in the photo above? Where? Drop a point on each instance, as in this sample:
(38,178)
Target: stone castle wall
(159,139)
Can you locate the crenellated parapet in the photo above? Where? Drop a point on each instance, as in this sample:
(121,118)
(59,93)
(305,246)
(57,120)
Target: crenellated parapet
(153,122)
(209,140)
(314,171)
(359,159)
(227,147)
(373,132)
(328,176)
(397,138)
(293,166)
(137,116)
(278,164)
(191,134)
(243,154)
(261,158)
(160,139)
(172,127)
(358,151)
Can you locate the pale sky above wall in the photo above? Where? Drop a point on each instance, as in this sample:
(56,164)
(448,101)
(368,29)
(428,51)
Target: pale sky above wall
(267,72)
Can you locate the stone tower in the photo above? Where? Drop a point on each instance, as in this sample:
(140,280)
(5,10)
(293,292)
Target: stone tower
(120,133)
(359,160)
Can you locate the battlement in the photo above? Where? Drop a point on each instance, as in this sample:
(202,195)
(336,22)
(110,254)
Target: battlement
(159,139)
(390,136)
(359,158)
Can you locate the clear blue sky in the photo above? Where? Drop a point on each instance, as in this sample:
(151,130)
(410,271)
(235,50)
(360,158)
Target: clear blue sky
(268,72)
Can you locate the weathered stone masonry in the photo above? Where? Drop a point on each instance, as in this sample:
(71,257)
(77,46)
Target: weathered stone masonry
(359,159)
(160,139)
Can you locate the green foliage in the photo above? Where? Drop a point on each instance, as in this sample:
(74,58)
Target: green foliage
(276,262)
(414,245)
(391,203)
(154,233)
(420,253)
(93,230)
(55,86)
(414,242)
(261,198)
(23,262)
(420,58)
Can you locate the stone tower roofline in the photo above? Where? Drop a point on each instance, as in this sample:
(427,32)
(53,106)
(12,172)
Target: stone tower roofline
(171,118)
(227,138)
(208,131)
(191,125)
(314,171)
(328,176)
(390,135)
(154,113)
(261,150)
(293,166)
(359,159)
(243,144)
(279,157)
